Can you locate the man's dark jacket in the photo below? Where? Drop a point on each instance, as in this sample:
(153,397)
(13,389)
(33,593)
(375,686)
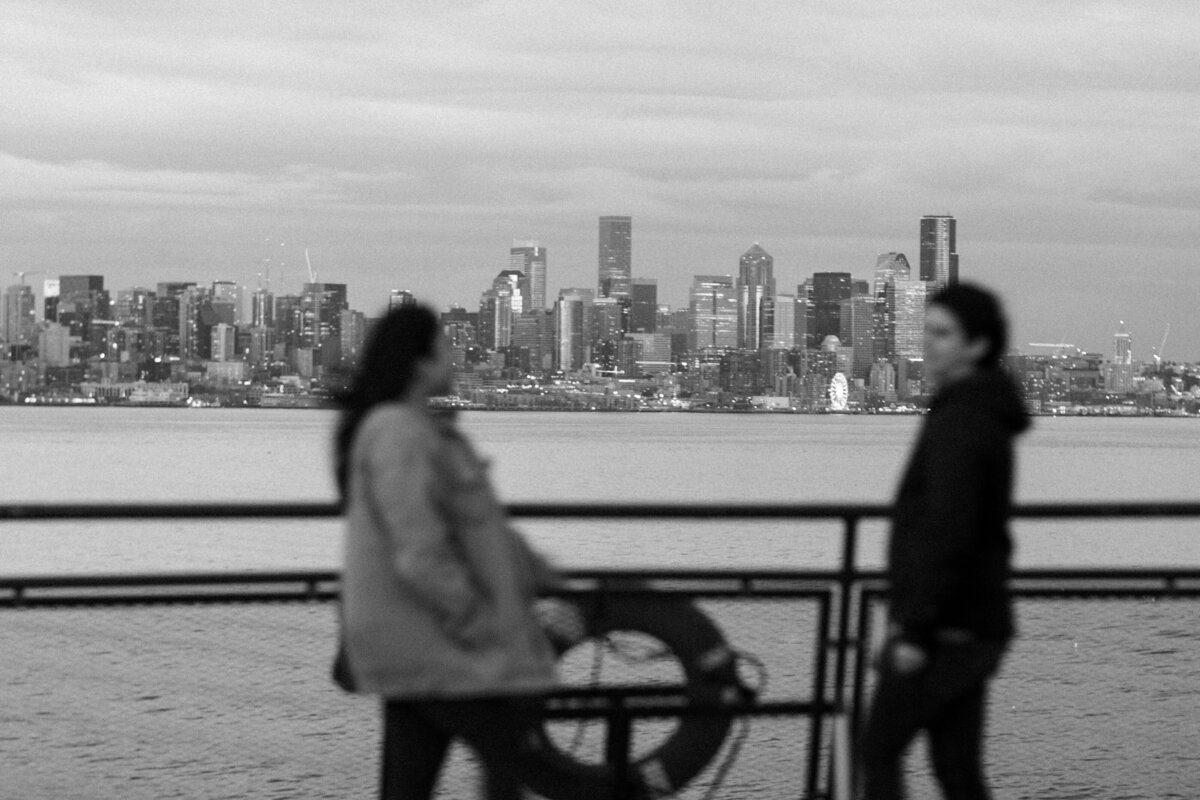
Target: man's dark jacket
(948,557)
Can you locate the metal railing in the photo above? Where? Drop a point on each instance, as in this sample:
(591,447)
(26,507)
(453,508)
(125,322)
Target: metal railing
(845,597)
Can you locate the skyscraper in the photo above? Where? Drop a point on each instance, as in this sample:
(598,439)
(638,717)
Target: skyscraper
(910,318)
(529,258)
(756,286)
(829,289)
(570,329)
(939,254)
(714,313)
(616,256)
(643,309)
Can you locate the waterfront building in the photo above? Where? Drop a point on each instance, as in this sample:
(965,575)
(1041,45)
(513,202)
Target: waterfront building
(713,308)
(939,253)
(643,305)
(829,289)
(529,258)
(615,256)
(570,329)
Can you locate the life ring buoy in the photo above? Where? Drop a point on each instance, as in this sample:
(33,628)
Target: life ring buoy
(710,672)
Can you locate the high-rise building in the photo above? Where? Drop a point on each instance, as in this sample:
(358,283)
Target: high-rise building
(227,301)
(616,256)
(570,329)
(713,304)
(529,258)
(1122,346)
(939,254)
(756,285)
(643,307)
(858,331)
(18,316)
(779,323)
(829,289)
(910,294)
(321,306)
(888,266)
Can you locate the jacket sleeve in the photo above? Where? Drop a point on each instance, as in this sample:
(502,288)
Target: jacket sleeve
(401,480)
(955,468)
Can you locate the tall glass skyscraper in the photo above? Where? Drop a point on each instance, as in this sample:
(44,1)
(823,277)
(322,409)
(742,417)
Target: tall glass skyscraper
(756,286)
(616,256)
(939,254)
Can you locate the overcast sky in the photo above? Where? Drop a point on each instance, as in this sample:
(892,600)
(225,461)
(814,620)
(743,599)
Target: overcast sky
(405,145)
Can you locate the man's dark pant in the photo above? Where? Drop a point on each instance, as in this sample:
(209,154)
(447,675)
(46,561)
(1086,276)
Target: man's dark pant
(946,698)
(417,734)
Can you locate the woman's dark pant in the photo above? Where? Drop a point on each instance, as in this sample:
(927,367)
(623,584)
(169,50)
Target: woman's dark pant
(417,734)
(946,698)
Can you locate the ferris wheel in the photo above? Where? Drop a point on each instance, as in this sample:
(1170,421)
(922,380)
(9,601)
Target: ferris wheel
(839,393)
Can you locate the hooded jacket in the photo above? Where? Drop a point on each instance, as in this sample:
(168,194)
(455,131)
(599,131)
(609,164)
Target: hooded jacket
(950,549)
(437,588)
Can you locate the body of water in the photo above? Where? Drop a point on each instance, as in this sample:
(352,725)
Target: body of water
(1095,701)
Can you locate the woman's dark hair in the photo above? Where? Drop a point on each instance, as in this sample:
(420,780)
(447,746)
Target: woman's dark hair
(978,312)
(397,342)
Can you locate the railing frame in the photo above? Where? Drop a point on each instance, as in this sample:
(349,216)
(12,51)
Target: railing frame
(855,590)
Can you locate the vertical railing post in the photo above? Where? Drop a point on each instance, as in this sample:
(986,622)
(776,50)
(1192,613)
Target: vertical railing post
(616,750)
(820,674)
(847,579)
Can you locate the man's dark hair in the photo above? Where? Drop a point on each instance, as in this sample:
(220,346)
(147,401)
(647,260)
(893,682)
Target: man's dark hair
(397,342)
(979,313)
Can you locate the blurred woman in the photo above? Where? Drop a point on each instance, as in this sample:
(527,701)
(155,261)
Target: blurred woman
(950,617)
(437,588)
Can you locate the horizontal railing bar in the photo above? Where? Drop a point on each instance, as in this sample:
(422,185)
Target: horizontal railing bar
(608,579)
(838,511)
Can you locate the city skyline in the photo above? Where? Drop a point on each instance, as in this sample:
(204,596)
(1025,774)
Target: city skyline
(407,148)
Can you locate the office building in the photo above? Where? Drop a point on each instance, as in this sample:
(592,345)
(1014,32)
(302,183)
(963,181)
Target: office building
(570,329)
(858,331)
(643,306)
(529,258)
(713,307)
(756,285)
(829,289)
(939,253)
(1122,346)
(616,256)
(399,298)
(910,294)
(18,315)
